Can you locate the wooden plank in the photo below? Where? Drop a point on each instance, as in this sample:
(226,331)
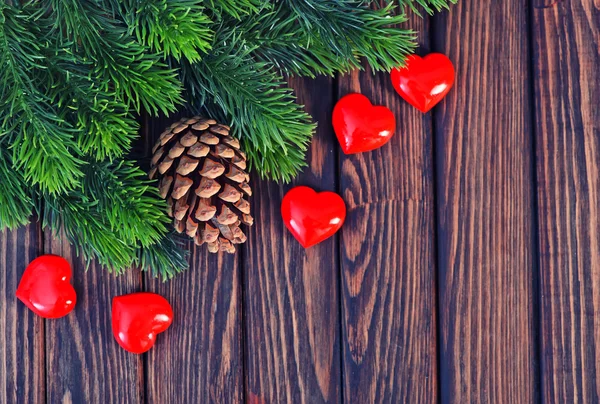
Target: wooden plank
(486,207)
(199,358)
(388,255)
(291,299)
(566,45)
(22,367)
(84,362)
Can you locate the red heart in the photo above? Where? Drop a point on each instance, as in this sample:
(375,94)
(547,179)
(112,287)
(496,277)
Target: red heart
(45,287)
(423,82)
(137,318)
(360,126)
(312,217)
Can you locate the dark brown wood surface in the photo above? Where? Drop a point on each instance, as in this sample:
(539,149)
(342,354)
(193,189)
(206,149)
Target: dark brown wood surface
(22,362)
(83,362)
(388,256)
(468,270)
(291,297)
(486,257)
(566,45)
(202,360)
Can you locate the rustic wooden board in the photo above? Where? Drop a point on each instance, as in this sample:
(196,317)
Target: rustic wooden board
(22,367)
(485,202)
(84,363)
(199,358)
(291,295)
(388,255)
(566,45)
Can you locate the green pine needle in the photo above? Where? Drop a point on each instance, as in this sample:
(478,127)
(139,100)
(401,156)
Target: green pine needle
(143,78)
(166,257)
(105,127)
(235,8)
(130,202)
(327,34)
(252,96)
(117,218)
(430,6)
(41,141)
(174,27)
(16,200)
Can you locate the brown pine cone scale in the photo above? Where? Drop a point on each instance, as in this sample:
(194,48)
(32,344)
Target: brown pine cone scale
(201,173)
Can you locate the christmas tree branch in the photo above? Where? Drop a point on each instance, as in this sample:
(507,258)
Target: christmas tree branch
(251,95)
(326,36)
(315,37)
(430,6)
(16,199)
(167,257)
(138,76)
(235,8)
(104,126)
(41,141)
(133,208)
(117,218)
(174,27)
(87,230)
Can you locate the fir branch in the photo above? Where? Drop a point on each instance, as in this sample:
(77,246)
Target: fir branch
(104,126)
(138,76)
(86,229)
(276,37)
(430,6)
(235,8)
(234,87)
(173,27)
(129,201)
(42,142)
(16,199)
(309,37)
(117,218)
(166,258)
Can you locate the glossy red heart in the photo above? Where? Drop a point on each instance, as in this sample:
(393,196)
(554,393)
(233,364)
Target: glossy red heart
(312,217)
(423,82)
(137,318)
(360,126)
(45,287)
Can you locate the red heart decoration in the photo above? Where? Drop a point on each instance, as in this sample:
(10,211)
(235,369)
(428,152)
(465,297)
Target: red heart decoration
(423,82)
(137,318)
(45,287)
(312,217)
(360,126)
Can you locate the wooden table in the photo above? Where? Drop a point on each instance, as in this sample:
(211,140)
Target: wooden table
(468,269)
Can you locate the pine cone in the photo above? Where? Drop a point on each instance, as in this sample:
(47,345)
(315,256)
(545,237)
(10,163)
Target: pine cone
(202,176)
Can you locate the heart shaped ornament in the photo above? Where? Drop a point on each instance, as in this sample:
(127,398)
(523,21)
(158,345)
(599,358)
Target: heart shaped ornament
(360,126)
(137,318)
(424,82)
(312,217)
(45,287)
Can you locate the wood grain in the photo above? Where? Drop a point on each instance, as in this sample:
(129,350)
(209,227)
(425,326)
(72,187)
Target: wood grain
(566,45)
(291,294)
(485,207)
(199,358)
(84,362)
(22,367)
(388,255)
